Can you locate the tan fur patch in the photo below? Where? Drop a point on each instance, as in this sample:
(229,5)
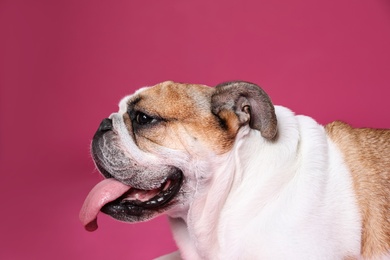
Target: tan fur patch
(186,114)
(367,154)
(350,258)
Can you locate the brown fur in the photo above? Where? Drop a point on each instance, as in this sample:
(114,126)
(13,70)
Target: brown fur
(367,154)
(350,258)
(188,111)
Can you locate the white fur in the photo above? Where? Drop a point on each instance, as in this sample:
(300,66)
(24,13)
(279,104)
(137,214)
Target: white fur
(287,199)
(291,198)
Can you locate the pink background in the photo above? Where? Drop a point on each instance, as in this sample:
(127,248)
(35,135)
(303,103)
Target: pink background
(64,65)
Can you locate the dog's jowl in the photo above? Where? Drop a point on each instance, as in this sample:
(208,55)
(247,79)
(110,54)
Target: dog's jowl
(240,178)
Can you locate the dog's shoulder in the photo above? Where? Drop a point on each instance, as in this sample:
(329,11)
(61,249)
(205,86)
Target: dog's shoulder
(366,152)
(363,148)
(344,134)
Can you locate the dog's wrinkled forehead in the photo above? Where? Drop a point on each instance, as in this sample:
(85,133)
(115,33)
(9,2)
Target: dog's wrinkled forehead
(183,114)
(169,100)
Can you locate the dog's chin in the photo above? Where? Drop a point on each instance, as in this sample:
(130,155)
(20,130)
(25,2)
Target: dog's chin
(138,205)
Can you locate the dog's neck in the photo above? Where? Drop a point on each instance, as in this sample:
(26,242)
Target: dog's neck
(279,167)
(242,164)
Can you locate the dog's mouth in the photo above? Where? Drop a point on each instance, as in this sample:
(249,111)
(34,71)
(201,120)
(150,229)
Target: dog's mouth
(126,203)
(134,201)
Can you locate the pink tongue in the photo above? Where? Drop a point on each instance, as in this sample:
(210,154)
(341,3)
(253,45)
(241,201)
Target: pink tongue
(104,192)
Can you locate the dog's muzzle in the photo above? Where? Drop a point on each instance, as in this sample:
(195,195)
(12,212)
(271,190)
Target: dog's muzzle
(131,191)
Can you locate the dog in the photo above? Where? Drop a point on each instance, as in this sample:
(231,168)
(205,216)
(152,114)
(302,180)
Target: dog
(240,178)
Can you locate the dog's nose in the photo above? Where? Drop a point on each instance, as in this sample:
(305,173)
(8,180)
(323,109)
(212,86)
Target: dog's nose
(105,125)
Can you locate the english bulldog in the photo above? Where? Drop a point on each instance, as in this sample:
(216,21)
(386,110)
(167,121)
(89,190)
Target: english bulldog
(240,178)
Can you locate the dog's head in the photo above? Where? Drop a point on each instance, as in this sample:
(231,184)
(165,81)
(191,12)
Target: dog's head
(162,142)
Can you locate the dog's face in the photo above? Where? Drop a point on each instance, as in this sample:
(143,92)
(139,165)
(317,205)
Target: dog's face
(164,139)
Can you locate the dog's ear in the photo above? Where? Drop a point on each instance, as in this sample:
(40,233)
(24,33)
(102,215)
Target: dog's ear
(240,103)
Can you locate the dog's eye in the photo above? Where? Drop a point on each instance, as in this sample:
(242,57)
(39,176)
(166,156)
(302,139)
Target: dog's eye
(143,119)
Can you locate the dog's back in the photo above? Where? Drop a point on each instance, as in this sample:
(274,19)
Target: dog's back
(367,154)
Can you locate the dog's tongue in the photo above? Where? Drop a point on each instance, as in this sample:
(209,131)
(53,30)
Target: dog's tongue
(105,191)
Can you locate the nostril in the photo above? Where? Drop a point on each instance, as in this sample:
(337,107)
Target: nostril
(105,125)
